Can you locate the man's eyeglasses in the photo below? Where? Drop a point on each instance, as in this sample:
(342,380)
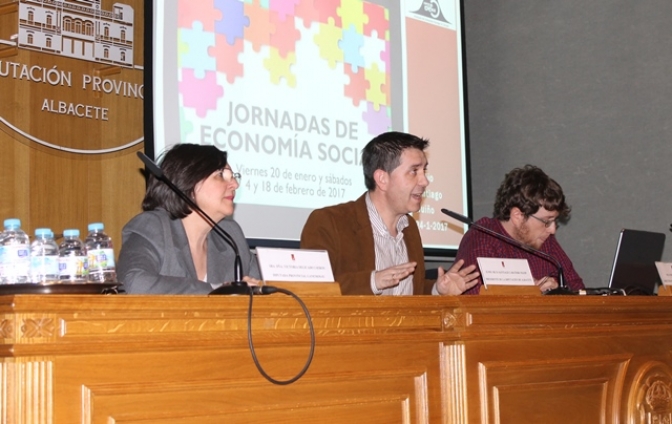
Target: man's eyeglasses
(228,175)
(547,222)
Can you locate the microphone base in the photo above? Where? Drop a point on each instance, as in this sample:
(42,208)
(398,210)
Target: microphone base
(560,291)
(235,288)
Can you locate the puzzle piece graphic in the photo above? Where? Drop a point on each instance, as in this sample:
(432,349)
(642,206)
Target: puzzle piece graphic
(218,33)
(379,21)
(233,20)
(198,42)
(202,11)
(283,8)
(356,89)
(352,13)
(327,41)
(286,35)
(200,94)
(226,57)
(280,67)
(307,12)
(376,79)
(258,33)
(326,9)
(377,121)
(350,45)
(373,49)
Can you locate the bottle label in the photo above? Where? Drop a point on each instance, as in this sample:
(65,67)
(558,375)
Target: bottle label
(100,259)
(72,267)
(15,261)
(2,261)
(44,267)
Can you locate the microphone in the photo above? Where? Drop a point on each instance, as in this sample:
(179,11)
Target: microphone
(602,291)
(238,286)
(562,288)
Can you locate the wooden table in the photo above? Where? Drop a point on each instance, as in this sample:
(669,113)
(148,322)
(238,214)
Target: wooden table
(471,359)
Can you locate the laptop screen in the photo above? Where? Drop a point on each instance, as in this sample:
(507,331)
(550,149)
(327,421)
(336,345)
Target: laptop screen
(634,268)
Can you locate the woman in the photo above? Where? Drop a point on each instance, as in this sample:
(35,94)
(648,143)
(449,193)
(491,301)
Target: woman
(170,249)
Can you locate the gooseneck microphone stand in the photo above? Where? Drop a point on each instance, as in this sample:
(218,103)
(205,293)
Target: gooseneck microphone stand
(238,286)
(562,289)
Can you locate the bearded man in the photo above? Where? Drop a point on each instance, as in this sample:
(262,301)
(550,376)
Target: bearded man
(529,207)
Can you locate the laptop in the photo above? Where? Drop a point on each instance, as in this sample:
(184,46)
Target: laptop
(634,269)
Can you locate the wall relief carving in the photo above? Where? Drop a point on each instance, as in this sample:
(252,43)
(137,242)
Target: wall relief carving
(650,399)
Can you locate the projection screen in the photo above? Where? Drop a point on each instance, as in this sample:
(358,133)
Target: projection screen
(293,90)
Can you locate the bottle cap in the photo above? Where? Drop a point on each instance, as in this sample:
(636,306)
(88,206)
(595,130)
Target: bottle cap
(96,226)
(43,232)
(12,223)
(71,233)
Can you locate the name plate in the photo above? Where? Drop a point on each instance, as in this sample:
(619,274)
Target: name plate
(665,272)
(505,272)
(297,265)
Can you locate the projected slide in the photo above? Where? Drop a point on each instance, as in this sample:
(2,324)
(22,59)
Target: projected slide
(293,90)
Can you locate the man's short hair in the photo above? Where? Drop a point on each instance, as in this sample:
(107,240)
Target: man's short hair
(528,189)
(384,152)
(185,165)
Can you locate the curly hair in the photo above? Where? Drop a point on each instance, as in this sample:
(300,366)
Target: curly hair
(185,165)
(528,189)
(384,152)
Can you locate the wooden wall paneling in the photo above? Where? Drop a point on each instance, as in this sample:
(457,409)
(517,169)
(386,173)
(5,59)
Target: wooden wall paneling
(55,188)
(66,192)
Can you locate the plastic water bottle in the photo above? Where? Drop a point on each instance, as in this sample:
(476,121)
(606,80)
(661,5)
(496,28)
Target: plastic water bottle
(15,254)
(72,261)
(2,256)
(43,257)
(100,253)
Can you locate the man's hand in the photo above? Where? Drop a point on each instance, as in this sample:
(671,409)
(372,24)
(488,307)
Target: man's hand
(457,280)
(546,284)
(390,277)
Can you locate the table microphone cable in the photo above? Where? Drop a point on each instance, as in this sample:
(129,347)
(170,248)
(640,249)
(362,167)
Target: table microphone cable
(262,290)
(237,287)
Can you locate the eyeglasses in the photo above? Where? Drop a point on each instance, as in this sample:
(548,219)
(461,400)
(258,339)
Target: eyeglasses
(547,222)
(228,175)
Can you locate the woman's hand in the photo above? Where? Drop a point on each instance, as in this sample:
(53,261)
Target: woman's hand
(252,281)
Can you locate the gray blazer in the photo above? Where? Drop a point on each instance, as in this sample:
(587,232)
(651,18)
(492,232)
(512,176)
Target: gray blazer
(155,256)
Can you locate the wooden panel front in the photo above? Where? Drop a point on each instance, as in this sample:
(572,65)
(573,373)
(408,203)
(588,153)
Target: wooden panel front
(549,389)
(172,359)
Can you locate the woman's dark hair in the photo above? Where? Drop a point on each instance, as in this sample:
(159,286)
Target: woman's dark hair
(185,165)
(384,152)
(528,189)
